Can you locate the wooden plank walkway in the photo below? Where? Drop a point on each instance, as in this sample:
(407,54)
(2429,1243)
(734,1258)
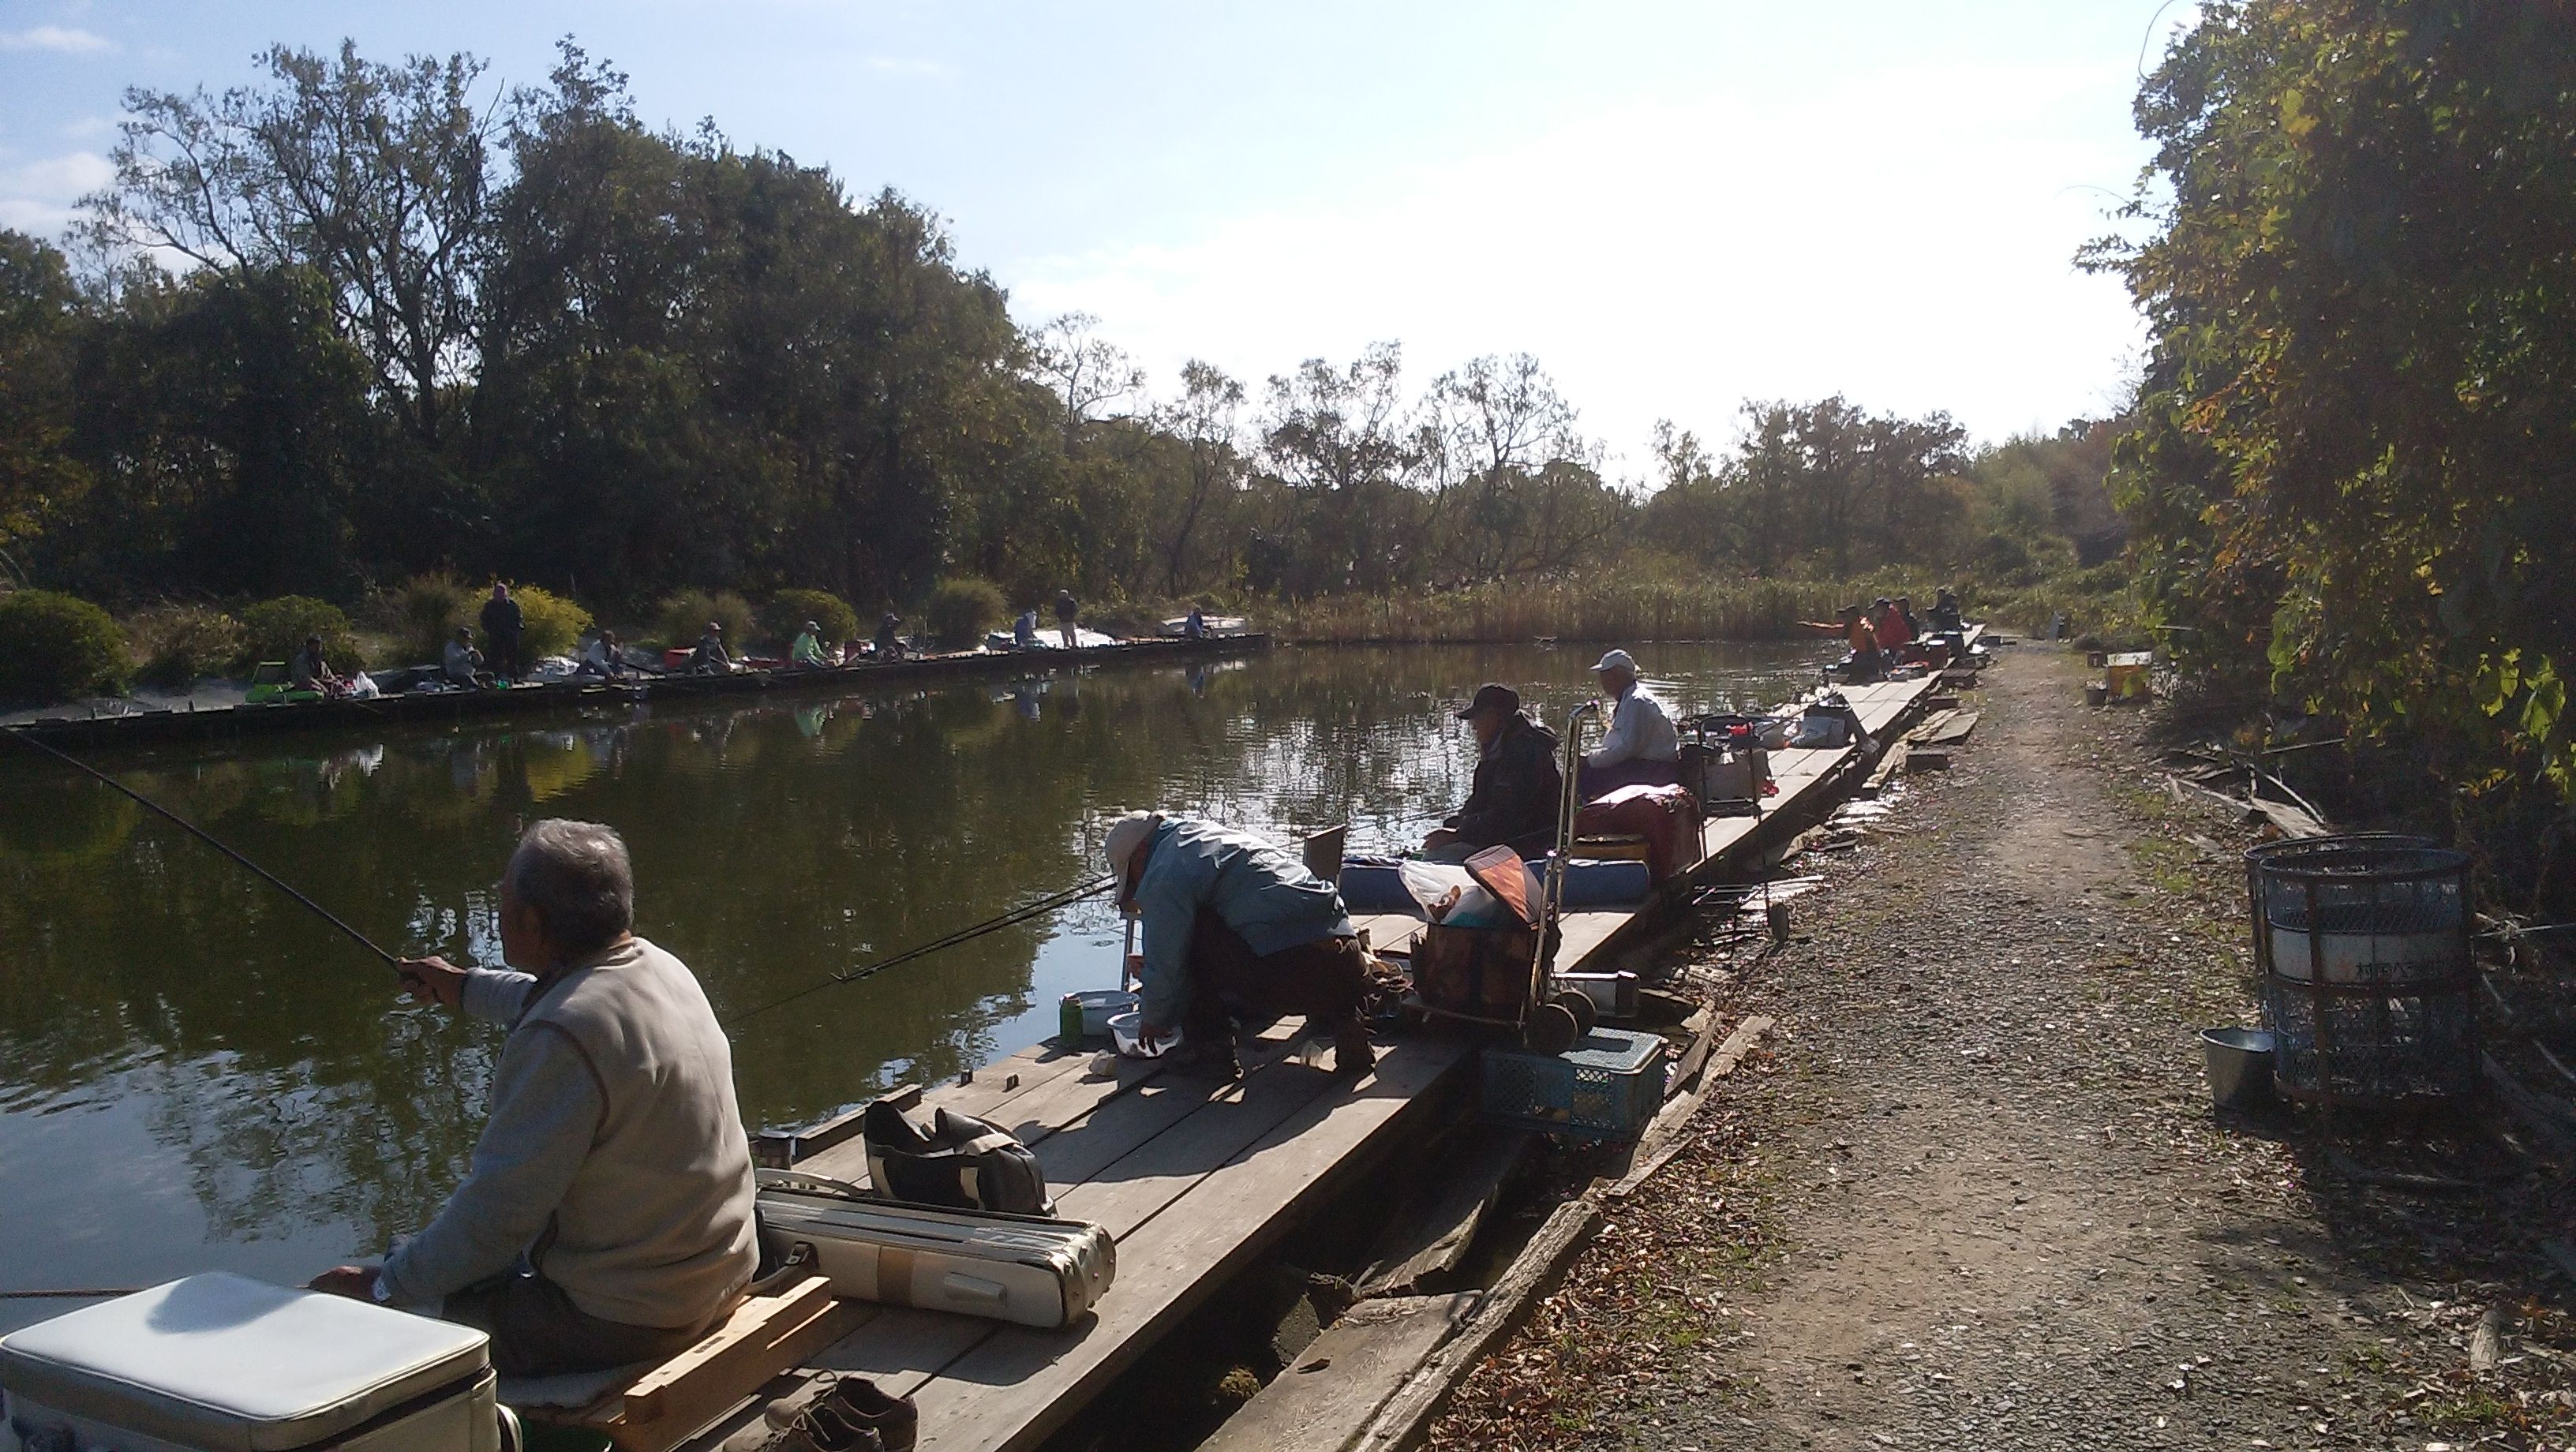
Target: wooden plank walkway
(1195,1180)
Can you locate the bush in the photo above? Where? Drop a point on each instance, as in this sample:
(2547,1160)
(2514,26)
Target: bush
(423,612)
(179,643)
(549,624)
(962,608)
(684,616)
(55,648)
(788,610)
(275,630)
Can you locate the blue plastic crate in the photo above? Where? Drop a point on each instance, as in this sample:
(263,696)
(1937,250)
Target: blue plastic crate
(1605,1087)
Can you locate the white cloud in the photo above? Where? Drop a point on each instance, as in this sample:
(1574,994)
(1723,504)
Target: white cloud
(58,38)
(37,197)
(1905,239)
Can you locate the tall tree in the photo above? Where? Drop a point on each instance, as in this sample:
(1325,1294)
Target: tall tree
(375,175)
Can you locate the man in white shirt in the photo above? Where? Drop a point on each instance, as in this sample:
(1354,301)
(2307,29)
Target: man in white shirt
(1642,748)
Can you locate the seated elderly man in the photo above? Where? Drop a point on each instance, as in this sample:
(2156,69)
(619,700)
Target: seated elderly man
(1641,747)
(1235,926)
(607,1217)
(1513,801)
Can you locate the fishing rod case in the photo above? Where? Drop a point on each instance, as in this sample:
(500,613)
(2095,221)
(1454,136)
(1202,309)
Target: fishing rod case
(959,1161)
(1028,1269)
(223,1363)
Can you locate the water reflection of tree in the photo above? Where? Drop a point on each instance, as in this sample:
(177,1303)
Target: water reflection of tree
(772,845)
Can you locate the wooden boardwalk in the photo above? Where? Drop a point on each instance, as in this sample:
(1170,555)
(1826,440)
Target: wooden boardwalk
(1194,1180)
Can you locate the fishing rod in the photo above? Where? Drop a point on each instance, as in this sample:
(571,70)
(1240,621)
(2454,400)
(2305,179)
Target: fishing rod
(1034,908)
(202,835)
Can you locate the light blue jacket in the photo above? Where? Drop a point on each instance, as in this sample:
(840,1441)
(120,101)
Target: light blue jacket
(1261,890)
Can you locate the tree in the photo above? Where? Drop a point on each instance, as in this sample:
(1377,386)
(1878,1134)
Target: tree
(1085,370)
(1347,449)
(2350,460)
(40,322)
(375,175)
(1496,421)
(1205,419)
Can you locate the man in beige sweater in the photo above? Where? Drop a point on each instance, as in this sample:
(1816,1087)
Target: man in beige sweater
(608,1214)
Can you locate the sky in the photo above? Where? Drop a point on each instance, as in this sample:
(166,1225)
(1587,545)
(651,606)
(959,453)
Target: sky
(1675,206)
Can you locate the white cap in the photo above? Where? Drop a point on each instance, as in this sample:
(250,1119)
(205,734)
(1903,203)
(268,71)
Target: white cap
(1617,660)
(1125,835)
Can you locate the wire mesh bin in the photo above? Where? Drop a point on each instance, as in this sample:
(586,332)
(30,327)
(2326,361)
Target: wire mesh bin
(1605,1087)
(2363,943)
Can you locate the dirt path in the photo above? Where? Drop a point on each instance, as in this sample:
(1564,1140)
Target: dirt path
(1972,1194)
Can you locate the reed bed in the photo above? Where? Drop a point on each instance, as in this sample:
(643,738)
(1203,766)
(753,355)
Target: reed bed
(1585,610)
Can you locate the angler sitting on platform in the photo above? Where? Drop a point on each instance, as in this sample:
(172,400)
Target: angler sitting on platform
(709,659)
(608,1215)
(1866,664)
(461,663)
(1945,611)
(312,672)
(1641,747)
(1235,926)
(1514,800)
(807,652)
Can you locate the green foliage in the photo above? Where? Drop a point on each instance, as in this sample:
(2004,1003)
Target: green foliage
(549,624)
(788,610)
(2349,472)
(54,647)
(276,630)
(683,617)
(180,643)
(422,613)
(962,608)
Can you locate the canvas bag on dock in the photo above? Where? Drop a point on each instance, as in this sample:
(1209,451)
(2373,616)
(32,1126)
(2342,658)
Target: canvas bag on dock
(960,1162)
(1027,1269)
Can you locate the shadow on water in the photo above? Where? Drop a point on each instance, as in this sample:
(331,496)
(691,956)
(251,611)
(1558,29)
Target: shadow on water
(195,1073)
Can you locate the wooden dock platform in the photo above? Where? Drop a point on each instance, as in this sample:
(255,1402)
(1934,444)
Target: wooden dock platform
(1196,1180)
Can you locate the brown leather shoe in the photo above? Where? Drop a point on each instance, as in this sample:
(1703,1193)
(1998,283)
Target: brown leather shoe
(862,1403)
(822,1428)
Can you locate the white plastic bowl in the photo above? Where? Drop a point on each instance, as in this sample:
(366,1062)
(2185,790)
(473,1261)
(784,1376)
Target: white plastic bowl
(1124,1032)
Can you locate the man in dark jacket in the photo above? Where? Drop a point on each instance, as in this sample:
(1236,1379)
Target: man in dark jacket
(1514,800)
(501,625)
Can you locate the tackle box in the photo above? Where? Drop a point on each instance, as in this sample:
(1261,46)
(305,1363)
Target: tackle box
(1604,1088)
(224,1363)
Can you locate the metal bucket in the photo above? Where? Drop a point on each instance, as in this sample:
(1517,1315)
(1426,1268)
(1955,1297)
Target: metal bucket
(2240,1066)
(2096,695)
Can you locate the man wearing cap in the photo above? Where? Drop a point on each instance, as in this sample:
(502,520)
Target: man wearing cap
(1234,926)
(1513,802)
(1641,748)
(807,651)
(709,659)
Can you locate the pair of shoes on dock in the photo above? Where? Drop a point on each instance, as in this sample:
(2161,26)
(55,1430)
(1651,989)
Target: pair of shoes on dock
(856,1415)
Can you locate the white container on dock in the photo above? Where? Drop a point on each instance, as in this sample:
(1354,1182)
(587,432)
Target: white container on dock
(223,1363)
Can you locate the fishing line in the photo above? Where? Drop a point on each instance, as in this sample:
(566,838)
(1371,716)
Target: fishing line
(202,835)
(1028,911)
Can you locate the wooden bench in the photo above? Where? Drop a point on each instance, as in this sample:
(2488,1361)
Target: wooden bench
(667,1404)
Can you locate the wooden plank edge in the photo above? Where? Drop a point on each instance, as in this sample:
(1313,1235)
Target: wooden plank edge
(1663,1138)
(1405,1419)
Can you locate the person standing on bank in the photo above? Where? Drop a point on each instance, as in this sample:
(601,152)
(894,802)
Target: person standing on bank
(1641,747)
(1513,802)
(1234,926)
(502,623)
(1066,612)
(607,1218)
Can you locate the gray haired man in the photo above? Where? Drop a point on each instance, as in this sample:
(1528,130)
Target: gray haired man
(607,1217)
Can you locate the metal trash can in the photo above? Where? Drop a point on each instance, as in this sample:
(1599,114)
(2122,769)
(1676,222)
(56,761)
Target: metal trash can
(2363,943)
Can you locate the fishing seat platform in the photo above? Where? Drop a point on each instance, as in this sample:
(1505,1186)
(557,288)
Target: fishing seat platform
(656,1406)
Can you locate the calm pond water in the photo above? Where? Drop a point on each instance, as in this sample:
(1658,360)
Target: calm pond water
(195,1074)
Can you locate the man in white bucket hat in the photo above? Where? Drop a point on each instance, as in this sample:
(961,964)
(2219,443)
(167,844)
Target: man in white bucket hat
(1641,748)
(1234,926)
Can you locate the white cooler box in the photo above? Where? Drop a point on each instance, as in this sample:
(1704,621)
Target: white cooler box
(223,1363)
